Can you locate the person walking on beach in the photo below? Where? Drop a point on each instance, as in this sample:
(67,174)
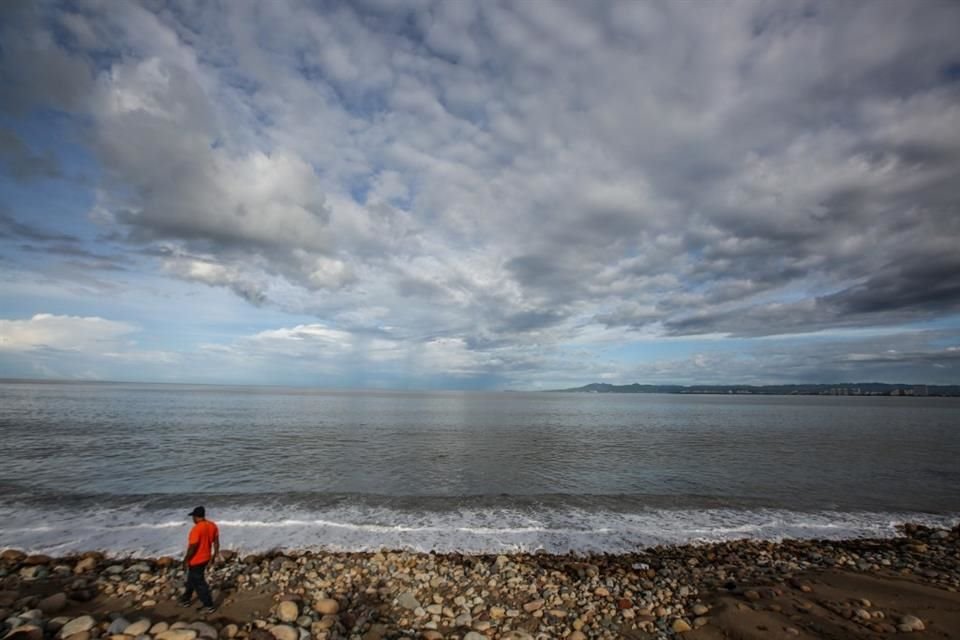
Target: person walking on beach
(203,547)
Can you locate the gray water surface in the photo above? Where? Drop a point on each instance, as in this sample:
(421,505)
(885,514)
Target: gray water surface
(384,458)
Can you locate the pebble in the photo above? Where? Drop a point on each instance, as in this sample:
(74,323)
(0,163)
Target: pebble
(77,625)
(327,606)
(53,604)
(203,630)
(284,632)
(910,623)
(138,628)
(408,601)
(178,634)
(25,632)
(288,611)
(680,626)
(533,605)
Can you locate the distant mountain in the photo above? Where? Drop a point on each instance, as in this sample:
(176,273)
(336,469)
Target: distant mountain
(840,389)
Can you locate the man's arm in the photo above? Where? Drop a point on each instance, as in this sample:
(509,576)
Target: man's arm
(191,550)
(216,549)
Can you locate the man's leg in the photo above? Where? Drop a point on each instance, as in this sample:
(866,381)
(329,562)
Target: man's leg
(190,586)
(203,590)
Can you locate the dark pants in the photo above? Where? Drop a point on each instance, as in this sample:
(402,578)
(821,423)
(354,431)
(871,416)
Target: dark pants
(196,581)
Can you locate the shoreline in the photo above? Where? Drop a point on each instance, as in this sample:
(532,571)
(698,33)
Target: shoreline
(736,589)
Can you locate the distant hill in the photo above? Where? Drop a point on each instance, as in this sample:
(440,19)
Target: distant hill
(841,389)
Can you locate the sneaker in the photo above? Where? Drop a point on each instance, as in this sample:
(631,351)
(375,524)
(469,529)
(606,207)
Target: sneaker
(210,609)
(183,603)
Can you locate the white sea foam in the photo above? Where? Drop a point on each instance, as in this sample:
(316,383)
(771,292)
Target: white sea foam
(136,531)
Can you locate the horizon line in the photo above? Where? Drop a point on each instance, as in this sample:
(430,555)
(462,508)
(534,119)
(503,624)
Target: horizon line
(19,380)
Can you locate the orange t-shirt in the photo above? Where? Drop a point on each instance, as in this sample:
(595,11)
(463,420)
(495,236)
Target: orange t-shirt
(203,534)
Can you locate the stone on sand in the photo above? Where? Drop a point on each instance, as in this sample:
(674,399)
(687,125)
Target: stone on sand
(77,625)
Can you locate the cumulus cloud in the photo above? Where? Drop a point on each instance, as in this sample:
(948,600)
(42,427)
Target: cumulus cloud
(472,183)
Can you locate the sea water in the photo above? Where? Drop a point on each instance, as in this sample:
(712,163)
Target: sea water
(117,467)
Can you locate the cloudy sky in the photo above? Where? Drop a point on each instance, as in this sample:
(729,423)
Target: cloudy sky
(466,194)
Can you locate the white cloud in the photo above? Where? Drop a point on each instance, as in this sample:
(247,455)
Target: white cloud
(71,333)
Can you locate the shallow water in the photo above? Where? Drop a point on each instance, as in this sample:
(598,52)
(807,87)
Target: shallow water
(117,466)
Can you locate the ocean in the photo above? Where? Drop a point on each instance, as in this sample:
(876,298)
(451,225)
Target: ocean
(116,467)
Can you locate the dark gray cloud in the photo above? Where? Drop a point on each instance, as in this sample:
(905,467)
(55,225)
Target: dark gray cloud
(35,68)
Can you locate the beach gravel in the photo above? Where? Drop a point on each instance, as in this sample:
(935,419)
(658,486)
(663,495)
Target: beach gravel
(728,589)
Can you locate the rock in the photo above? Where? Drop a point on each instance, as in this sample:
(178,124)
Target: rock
(36,560)
(577,635)
(118,626)
(159,628)
(751,595)
(497,612)
(910,623)
(304,621)
(379,631)
(473,635)
(284,632)
(178,634)
(326,622)
(83,635)
(700,609)
(329,606)
(204,630)
(700,622)
(408,601)
(288,611)
(53,604)
(516,634)
(25,632)
(434,609)
(84,565)
(863,614)
(680,626)
(12,556)
(32,572)
(138,628)
(83,623)
(229,631)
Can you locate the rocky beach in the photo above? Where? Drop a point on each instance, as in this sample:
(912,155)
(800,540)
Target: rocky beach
(860,588)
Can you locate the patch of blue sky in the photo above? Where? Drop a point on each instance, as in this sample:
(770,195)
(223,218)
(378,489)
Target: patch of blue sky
(61,202)
(669,348)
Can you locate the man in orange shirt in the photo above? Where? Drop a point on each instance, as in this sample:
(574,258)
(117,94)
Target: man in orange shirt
(204,536)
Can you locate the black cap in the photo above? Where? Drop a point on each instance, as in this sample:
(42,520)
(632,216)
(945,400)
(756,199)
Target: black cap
(200,512)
